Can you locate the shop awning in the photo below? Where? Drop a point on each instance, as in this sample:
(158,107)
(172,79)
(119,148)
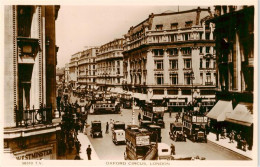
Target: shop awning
(82,86)
(220,110)
(140,96)
(157,97)
(242,114)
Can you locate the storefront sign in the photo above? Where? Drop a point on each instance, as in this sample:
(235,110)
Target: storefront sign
(34,155)
(142,140)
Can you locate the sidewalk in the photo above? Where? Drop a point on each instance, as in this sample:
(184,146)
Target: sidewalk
(230,146)
(84,141)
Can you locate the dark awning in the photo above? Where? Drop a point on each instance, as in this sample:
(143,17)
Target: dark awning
(220,110)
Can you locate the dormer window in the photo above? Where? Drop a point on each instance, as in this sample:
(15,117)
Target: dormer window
(159,27)
(174,26)
(188,24)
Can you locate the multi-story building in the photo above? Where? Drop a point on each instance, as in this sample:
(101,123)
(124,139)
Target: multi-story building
(87,69)
(234,31)
(30,131)
(171,56)
(110,66)
(73,71)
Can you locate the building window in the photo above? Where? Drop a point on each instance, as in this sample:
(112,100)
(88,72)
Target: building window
(201,61)
(159,27)
(174,64)
(208,78)
(207,49)
(207,63)
(159,79)
(173,51)
(94,79)
(187,79)
(187,63)
(174,79)
(158,52)
(158,64)
(174,26)
(201,78)
(207,35)
(214,64)
(186,37)
(201,50)
(186,51)
(118,80)
(188,24)
(93,66)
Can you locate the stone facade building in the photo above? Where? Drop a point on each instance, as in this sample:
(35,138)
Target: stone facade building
(73,71)
(30,51)
(110,66)
(87,69)
(171,56)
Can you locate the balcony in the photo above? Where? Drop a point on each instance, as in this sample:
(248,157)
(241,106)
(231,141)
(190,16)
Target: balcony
(25,118)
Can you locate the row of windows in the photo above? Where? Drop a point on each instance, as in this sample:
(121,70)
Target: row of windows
(173,64)
(159,79)
(174,26)
(187,64)
(184,51)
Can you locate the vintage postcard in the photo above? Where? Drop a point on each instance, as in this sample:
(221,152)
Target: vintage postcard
(141,83)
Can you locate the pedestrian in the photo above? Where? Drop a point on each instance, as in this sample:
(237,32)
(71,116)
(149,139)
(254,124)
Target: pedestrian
(217,134)
(139,116)
(107,128)
(172,149)
(232,136)
(170,112)
(89,152)
(177,118)
(239,143)
(77,145)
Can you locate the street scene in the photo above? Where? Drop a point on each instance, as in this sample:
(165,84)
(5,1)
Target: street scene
(176,84)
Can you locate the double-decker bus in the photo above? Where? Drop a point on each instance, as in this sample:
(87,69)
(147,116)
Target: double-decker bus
(194,126)
(154,113)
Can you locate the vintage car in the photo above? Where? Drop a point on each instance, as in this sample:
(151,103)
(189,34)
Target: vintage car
(96,130)
(118,136)
(176,132)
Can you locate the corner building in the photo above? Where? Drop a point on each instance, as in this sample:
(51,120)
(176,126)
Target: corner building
(110,66)
(30,131)
(171,56)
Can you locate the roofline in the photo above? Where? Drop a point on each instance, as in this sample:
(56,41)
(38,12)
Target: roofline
(161,14)
(111,41)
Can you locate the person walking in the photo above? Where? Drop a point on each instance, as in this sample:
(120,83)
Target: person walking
(232,136)
(139,116)
(172,149)
(107,128)
(89,152)
(170,113)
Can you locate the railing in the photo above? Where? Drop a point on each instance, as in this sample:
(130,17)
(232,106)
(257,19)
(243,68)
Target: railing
(33,116)
(208,83)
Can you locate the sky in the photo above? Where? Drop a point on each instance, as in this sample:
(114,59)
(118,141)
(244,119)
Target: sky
(78,27)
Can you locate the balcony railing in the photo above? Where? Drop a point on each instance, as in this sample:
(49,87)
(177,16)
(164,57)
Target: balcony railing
(31,117)
(208,83)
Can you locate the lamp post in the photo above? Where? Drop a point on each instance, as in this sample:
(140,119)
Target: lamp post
(133,111)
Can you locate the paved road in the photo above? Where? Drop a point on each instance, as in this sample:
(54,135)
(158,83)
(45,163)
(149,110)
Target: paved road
(107,150)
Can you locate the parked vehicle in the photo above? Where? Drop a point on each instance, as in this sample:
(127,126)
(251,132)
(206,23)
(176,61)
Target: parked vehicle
(96,130)
(194,126)
(176,132)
